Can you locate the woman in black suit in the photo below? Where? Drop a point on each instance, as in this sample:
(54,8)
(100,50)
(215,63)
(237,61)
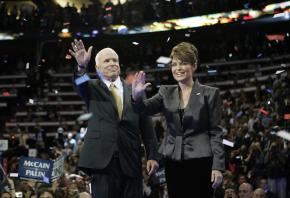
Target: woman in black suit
(192,146)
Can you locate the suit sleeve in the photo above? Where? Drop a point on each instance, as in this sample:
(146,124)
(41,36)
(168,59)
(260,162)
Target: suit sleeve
(215,130)
(81,86)
(149,106)
(148,135)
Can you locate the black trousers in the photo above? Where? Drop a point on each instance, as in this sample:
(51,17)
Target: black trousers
(189,178)
(111,182)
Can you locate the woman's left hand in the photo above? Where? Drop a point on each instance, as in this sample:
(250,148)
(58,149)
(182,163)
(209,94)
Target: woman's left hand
(151,166)
(216,178)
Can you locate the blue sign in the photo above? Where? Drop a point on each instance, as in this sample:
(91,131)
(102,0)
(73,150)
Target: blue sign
(35,169)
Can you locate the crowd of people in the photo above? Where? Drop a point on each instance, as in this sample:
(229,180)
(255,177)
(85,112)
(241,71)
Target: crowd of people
(258,164)
(257,161)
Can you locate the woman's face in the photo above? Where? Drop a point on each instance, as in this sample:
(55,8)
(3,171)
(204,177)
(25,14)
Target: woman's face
(182,71)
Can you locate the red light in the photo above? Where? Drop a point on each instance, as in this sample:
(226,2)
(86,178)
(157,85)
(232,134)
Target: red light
(263,111)
(6,93)
(247,17)
(286,116)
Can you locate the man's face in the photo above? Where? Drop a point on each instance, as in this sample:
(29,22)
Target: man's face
(46,195)
(259,193)
(242,179)
(230,193)
(108,64)
(245,191)
(263,184)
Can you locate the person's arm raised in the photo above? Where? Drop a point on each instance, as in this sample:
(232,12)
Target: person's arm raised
(139,85)
(81,55)
(80,78)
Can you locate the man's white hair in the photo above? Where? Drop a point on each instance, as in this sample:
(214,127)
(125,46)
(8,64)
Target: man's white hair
(97,57)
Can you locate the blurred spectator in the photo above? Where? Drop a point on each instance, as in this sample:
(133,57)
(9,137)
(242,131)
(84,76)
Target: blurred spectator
(275,161)
(263,184)
(45,193)
(259,193)
(245,190)
(159,129)
(230,191)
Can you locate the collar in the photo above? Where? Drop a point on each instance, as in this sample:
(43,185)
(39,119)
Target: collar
(194,86)
(117,82)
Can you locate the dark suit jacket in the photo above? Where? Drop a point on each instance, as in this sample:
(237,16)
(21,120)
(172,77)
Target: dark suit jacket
(106,133)
(197,134)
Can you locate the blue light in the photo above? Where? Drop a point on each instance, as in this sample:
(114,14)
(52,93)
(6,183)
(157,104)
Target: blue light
(95,32)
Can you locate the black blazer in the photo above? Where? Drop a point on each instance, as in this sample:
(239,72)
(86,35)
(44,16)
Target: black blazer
(197,134)
(106,133)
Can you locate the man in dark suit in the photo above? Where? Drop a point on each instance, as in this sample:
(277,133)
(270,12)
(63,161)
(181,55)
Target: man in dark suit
(112,146)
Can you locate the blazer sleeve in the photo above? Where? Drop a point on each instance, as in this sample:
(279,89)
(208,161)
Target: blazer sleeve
(149,106)
(149,137)
(215,130)
(81,86)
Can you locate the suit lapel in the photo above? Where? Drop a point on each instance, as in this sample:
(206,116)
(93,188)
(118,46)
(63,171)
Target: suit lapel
(174,106)
(107,94)
(102,88)
(174,100)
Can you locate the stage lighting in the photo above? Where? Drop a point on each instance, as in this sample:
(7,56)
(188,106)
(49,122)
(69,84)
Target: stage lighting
(94,32)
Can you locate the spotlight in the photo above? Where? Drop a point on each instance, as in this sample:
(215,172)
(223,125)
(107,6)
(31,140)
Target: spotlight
(95,32)
(65,30)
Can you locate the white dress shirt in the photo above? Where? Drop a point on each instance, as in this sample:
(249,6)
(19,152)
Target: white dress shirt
(119,85)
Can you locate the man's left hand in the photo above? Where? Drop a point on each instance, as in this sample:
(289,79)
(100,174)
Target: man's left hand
(152,166)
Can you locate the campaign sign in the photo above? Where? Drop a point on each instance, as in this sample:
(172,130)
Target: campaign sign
(35,169)
(58,168)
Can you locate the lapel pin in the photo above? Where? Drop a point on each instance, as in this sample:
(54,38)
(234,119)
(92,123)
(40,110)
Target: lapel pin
(197,93)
